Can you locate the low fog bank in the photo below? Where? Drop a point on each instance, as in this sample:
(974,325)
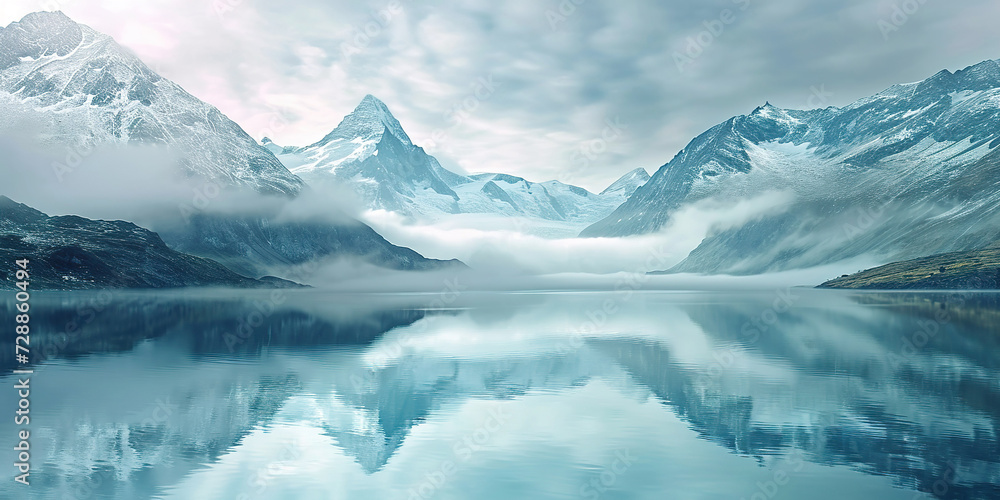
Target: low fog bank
(513,251)
(143,184)
(344,275)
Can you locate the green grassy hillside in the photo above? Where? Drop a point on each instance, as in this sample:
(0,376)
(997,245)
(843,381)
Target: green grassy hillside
(973,270)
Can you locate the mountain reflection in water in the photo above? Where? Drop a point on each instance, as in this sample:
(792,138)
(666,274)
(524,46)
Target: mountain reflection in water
(538,395)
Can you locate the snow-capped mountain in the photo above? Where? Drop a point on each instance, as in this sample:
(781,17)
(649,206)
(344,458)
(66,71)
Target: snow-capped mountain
(910,171)
(370,153)
(627,184)
(85,90)
(92,91)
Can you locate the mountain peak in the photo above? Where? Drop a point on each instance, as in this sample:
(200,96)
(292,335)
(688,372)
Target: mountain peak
(628,183)
(372,108)
(369,121)
(979,76)
(638,173)
(39,34)
(45,19)
(765,109)
(370,100)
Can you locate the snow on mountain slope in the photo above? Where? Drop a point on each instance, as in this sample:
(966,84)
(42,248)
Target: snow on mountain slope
(370,153)
(909,171)
(86,92)
(627,184)
(95,92)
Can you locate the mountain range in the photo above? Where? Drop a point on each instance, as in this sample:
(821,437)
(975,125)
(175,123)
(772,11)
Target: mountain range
(371,153)
(87,91)
(907,172)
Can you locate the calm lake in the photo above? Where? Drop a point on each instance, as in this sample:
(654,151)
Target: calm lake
(304,394)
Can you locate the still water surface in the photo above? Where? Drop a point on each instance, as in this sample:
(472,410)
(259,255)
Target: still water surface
(796,394)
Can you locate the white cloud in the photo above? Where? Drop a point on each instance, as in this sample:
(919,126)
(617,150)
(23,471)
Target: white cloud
(260,61)
(484,245)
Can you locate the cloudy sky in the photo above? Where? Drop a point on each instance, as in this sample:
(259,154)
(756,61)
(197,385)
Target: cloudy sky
(576,90)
